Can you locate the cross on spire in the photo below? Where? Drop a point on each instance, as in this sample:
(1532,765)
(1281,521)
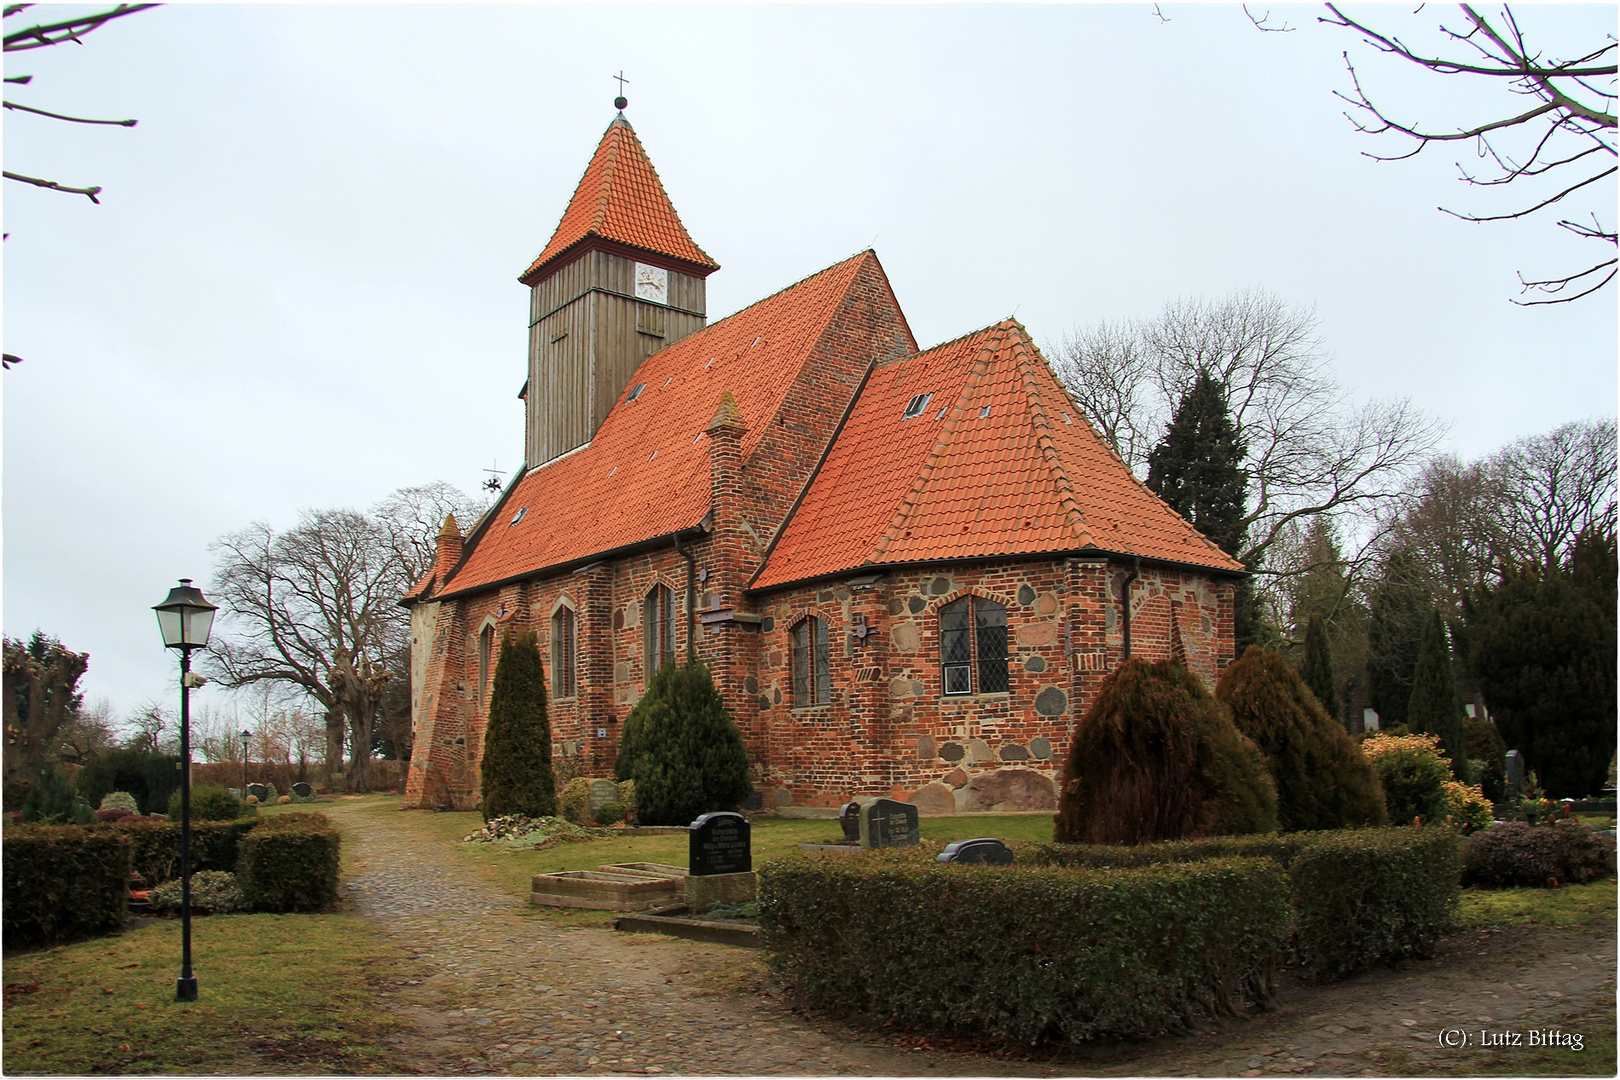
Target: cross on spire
(621,101)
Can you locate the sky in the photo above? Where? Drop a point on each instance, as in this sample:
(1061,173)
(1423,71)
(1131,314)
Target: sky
(300,288)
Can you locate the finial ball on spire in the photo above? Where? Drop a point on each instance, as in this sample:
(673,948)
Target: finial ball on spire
(619,103)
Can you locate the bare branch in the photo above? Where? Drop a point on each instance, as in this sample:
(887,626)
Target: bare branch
(20,80)
(70,119)
(88,192)
(1558,285)
(9,360)
(39,37)
(1162,17)
(1260,23)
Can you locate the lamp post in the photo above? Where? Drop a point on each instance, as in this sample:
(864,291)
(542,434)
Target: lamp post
(246,735)
(185,619)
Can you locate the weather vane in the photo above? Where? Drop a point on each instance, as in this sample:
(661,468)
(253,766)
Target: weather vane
(621,101)
(493,483)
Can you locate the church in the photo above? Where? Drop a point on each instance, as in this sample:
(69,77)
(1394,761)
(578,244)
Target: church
(908,569)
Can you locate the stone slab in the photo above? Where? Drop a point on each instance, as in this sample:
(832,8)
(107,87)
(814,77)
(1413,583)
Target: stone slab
(602,890)
(706,890)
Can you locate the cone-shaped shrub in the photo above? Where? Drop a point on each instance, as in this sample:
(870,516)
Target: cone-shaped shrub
(1157,758)
(516,769)
(1322,780)
(1436,708)
(682,749)
(1317,670)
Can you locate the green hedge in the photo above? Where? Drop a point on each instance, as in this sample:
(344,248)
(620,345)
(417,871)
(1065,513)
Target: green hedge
(1361,897)
(63,881)
(1025,952)
(290,863)
(155,846)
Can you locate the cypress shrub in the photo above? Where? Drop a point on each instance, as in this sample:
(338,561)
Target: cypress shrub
(683,750)
(290,863)
(1022,952)
(1323,782)
(1157,758)
(516,768)
(62,882)
(1317,670)
(1485,745)
(1436,708)
(1413,773)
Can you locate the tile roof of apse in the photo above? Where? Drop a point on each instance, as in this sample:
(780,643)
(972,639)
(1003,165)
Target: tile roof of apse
(620,198)
(646,472)
(998,463)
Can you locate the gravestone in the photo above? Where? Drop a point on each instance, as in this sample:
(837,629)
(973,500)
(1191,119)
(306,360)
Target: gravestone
(718,844)
(850,818)
(258,791)
(983,849)
(303,790)
(1515,774)
(602,793)
(887,823)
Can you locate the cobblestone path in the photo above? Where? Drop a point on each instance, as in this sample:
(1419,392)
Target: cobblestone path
(495,990)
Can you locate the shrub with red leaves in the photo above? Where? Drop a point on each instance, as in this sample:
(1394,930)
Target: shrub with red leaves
(1514,853)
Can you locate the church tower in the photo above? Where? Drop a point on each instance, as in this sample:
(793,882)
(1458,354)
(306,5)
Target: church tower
(619,280)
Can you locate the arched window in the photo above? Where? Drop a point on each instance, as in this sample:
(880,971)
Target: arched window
(658,629)
(486,644)
(562,653)
(812,674)
(973,634)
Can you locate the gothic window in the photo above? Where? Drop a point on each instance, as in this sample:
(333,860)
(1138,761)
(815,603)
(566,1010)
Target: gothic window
(658,629)
(812,673)
(486,642)
(973,635)
(562,654)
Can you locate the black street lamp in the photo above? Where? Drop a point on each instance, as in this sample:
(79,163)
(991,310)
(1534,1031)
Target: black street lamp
(246,735)
(185,619)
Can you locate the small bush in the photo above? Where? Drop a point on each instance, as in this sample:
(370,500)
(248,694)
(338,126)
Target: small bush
(214,891)
(210,804)
(610,813)
(1414,774)
(1157,758)
(285,800)
(252,800)
(120,800)
(290,863)
(574,801)
(63,882)
(1515,853)
(1467,806)
(682,749)
(1025,953)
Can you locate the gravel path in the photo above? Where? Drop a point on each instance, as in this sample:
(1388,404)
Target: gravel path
(495,990)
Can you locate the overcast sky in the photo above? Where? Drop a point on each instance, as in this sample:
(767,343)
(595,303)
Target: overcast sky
(300,287)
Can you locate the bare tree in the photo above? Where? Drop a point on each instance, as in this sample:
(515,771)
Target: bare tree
(146,727)
(1108,370)
(411,518)
(1557,486)
(1453,528)
(44,35)
(86,733)
(1556,141)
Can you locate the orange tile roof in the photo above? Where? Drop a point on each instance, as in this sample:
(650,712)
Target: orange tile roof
(999,462)
(620,198)
(646,472)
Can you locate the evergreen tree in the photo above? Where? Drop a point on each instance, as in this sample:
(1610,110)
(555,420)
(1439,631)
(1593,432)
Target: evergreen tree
(1197,469)
(1400,605)
(1317,670)
(1542,648)
(682,749)
(1322,780)
(516,767)
(1157,758)
(1485,746)
(1436,708)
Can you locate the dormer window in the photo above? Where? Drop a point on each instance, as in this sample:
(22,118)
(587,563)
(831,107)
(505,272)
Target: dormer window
(915,406)
(635,391)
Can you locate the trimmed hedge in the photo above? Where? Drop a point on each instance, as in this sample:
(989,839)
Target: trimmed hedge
(1514,853)
(155,845)
(1025,952)
(63,881)
(290,863)
(1361,897)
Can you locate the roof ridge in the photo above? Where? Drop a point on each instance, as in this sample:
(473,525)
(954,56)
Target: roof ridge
(1042,425)
(778,292)
(902,514)
(610,166)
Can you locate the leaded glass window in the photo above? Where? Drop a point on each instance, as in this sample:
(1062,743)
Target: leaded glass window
(562,654)
(658,629)
(812,670)
(973,634)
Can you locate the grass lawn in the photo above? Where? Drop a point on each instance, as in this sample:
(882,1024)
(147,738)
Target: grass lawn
(1567,906)
(276,994)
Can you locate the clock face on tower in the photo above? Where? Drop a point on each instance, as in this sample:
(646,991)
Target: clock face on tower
(652,283)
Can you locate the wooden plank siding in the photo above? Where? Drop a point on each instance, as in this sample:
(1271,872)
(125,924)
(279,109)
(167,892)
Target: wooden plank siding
(587,336)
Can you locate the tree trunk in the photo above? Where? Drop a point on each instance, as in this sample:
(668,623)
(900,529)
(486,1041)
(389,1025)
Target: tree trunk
(334,744)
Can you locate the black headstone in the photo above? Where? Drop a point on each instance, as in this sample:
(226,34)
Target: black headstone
(850,818)
(303,790)
(258,791)
(983,849)
(718,844)
(887,823)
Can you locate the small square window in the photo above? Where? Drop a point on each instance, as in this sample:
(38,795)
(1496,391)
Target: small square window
(915,406)
(958,679)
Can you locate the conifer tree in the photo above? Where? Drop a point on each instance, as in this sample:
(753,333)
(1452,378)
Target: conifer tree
(1436,708)
(1197,469)
(1157,758)
(516,767)
(682,749)
(1399,606)
(1317,670)
(1322,780)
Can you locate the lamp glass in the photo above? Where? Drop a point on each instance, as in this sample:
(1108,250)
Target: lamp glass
(185,618)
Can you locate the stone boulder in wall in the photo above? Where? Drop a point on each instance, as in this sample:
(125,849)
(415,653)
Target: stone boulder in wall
(1011,789)
(932,799)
